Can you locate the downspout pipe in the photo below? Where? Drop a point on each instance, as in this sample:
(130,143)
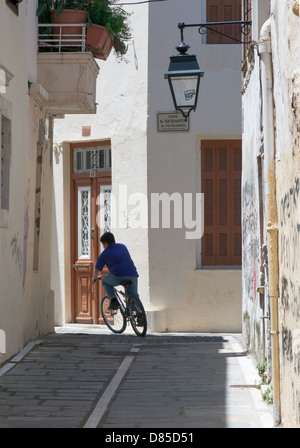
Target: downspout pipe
(265,51)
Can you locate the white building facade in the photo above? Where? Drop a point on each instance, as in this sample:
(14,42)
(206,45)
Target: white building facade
(26,299)
(28,103)
(270,197)
(137,162)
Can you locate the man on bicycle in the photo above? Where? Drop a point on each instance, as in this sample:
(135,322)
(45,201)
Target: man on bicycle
(118,260)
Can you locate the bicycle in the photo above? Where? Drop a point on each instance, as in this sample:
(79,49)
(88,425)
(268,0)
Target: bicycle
(130,310)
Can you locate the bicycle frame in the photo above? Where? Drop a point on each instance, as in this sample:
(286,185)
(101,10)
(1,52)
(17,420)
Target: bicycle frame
(121,303)
(123,306)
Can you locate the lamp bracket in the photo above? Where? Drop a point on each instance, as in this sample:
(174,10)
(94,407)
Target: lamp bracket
(203,27)
(185,114)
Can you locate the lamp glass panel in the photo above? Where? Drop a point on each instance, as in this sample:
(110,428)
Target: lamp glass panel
(185,90)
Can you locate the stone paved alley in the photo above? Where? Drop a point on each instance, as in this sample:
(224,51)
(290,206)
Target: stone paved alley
(74,380)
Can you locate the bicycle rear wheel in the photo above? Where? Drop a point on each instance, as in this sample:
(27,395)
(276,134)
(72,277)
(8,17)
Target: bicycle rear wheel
(114,319)
(138,317)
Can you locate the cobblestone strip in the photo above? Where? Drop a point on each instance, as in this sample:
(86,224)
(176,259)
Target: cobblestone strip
(108,394)
(10,365)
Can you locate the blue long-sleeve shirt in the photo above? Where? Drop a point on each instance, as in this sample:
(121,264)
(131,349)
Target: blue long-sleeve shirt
(118,260)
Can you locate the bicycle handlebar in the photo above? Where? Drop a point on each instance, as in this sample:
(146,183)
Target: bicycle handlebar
(99,278)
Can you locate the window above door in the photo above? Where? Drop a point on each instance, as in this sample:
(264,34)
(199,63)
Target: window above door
(87,160)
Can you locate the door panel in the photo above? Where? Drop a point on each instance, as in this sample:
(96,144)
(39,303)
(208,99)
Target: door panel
(84,251)
(103,224)
(84,293)
(88,180)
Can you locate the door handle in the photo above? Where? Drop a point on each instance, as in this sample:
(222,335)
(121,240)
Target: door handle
(92,234)
(78,266)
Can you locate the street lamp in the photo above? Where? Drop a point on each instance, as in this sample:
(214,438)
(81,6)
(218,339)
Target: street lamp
(184,73)
(184,77)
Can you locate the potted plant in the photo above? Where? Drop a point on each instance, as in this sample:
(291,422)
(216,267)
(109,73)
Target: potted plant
(60,12)
(46,6)
(107,28)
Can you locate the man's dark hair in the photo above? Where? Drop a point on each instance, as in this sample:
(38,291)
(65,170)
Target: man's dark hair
(108,238)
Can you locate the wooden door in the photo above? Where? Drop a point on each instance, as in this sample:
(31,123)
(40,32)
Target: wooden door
(91,178)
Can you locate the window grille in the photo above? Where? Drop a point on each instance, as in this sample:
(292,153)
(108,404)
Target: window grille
(105,194)
(84,223)
(96,159)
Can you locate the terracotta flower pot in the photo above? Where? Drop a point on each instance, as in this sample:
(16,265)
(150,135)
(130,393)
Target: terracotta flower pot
(68,16)
(99,41)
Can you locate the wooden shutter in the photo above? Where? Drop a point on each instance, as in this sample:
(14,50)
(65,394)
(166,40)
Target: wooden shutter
(213,14)
(223,11)
(209,189)
(221,185)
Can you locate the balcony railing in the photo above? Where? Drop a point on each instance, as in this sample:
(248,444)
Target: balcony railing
(61,37)
(67,70)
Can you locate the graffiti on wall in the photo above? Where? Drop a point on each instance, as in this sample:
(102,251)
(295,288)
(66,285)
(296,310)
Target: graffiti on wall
(250,237)
(19,253)
(289,262)
(289,240)
(16,252)
(251,256)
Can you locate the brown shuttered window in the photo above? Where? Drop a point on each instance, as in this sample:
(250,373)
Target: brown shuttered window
(223,11)
(221,170)
(247,15)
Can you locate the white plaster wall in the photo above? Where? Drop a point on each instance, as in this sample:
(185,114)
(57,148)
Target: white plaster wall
(191,297)
(286,63)
(25,298)
(129,96)
(286,75)
(37,295)
(122,117)
(13,57)
(253,312)
(31,40)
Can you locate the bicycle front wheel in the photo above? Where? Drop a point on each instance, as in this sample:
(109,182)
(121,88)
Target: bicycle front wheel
(138,317)
(114,319)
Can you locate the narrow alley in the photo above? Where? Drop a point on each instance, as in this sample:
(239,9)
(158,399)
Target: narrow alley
(102,380)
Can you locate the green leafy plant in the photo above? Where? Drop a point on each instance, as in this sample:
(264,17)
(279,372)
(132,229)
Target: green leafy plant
(262,367)
(59,5)
(268,395)
(265,390)
(106,13)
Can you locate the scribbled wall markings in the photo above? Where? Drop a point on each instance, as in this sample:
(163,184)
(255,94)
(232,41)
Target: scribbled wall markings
(290,289)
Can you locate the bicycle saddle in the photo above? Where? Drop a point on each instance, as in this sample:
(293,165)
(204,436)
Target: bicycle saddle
(126,283)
